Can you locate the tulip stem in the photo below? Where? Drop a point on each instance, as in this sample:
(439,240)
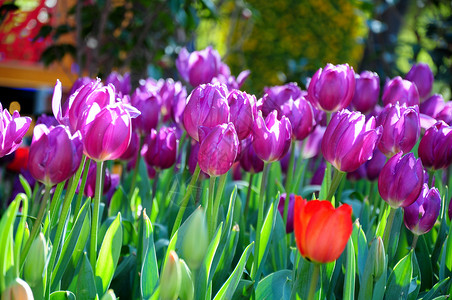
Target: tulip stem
(95,219)
(154,190)
(217,202)
(337,178)
(314,281)
(291,168)
(248,194)
(210,209)
(82,188)
(431,175)
(36,224)
(413,244)
(184,203)
(388,227)
(260,216)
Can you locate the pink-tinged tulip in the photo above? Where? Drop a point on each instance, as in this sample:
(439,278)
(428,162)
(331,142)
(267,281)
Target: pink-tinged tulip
(275,96)
(432,106)
(149,104)
(421,215)
(401,179)
(161,148)
(400,90)
(122,84)
(55,154)
(331,88)
(217,149)
(367,91)
(198,67)
(12,130)
(249,160)
(374,165)
(243,111)
(107,133)
(282,201)
(301,117)
(349,141)
(422,76)
(272,137)
(401,128)
(207,106)
(435,148)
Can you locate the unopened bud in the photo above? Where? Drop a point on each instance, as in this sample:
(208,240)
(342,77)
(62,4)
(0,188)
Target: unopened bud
(109,295)
(187,289)
(380,257)
(170,280)
(36,261)
(18,289)
(195,240)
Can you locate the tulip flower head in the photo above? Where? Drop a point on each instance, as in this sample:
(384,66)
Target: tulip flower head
(331,88)
(12,129)
(55,154)
(290,213)
(401,179)
(401,90)
(243,111)
(367,91)
(321,231)
(161,148)
(422,76)
(249,160)
(272,137)
(435,148)
(301,117)
(421,215)
(275,96)
(349,141)
(149,104)
(433,105)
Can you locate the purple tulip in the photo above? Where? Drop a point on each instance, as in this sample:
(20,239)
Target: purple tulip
(400,90)
(47,120)
(206,106)
(193,160)
(432,106)
(90,186)
(446,113)
(173,95)
(107,133)
(374,165)
(198,67)
(401,128)
(55,154)
(122,84)
(301,117)
(81,81)
(230,81)
(149,104)
(319,174)
(401,179)
(12,129)
(132,150)
(331,88)
(420,216)
(243,111)
(290,211)
(276,96)
(367,91)
(249,160)
(161,148)
(435,148)
(217,149)
(272,137)
(349,141)
(422,76)
(313,143)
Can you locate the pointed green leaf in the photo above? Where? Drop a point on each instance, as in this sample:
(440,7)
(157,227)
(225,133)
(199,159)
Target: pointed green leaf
(275,286)
(86,286)
(436,289)
(149,270)
(400,278)
(62,295)
(350,272)
(20,231)
(266,234)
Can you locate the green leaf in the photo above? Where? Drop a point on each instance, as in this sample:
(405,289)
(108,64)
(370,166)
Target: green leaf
(75,241)
(266,234)
(149,270)
(20,231)
(278,253)
(400,278)
(436,289)
(108,256)
(275,286)
(360,245)
(415,284)
(86,286)
(229,287)
(394,236)
(62,295)
(380,285)
(25,185)
(350,272)
(144,186)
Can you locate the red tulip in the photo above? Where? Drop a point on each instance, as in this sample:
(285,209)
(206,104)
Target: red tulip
(321,231)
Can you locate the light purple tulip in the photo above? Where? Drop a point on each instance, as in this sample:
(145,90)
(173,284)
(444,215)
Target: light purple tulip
(401,179)
(12,130)
(161,148)
(400,90)
(174,96)
(422,76)
(331,88)
(301,117)
(198,67)
(230,81)
(275,96)
(272,137)
(401,128)
(81,81)
(243,111)
(206,106)
(367,91)
(420,216)
(349,141)
(435,148)
(123,84)
(55,154)
(217,149)
(432,106)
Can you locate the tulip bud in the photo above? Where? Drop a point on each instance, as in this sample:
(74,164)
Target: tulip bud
(377,251)
(17,290)
(403,91)
(149,104)
(435,145)
(170,279)
(109,295)
(243,112)
(187,289)
(35,263)
(301,117)
(331,89)
(422,76)
(349,141)
(196,240)
(367,91)
(161,148)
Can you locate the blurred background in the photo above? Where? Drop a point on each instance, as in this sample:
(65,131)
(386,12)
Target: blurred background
(279,41)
